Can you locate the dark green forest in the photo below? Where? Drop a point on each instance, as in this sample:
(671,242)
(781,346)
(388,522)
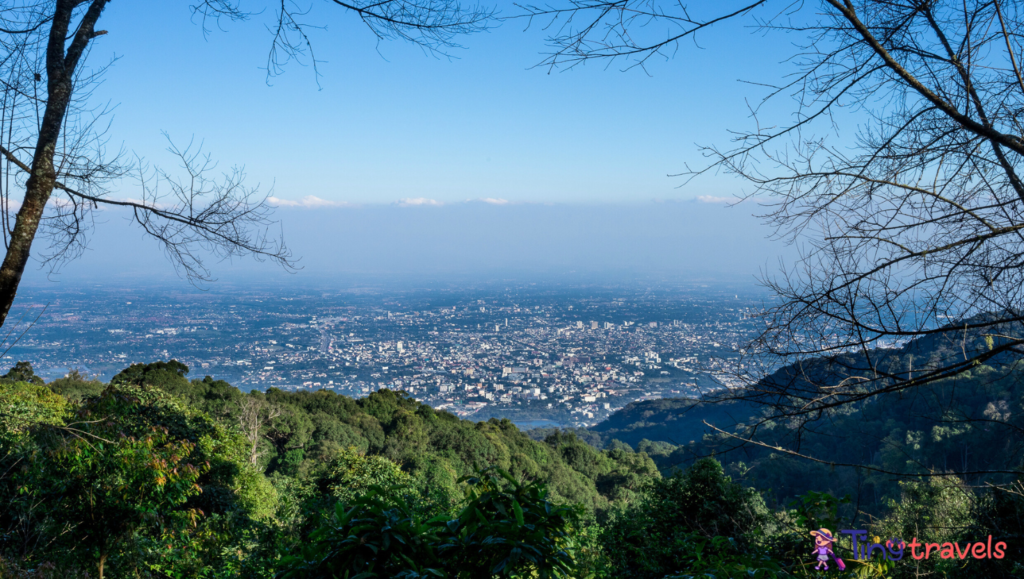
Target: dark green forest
(968,423)
(156,475)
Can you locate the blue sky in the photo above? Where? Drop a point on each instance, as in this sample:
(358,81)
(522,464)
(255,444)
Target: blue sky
(391,123)
(393,143)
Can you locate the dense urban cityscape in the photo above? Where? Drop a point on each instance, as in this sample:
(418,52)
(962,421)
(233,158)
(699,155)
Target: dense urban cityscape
(539,356)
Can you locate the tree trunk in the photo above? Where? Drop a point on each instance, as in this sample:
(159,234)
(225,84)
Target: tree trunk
(103,559)
(60,69)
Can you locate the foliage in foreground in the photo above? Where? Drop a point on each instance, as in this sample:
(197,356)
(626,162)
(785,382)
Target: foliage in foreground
(503,529)
(156,476)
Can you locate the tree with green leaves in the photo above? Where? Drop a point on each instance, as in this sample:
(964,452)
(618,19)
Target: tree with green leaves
(22,372)
(24,405)
(939,510)
(683,519)
(76,387)
(503,529)
(132,479)
(100,484)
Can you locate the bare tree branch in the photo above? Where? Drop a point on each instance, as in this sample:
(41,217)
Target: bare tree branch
(910,226)
(56,170)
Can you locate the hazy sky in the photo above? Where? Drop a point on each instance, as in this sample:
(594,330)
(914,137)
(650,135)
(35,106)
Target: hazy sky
(374,171)
(468,242)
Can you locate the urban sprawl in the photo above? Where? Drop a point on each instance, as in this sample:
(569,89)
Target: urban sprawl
(541,357)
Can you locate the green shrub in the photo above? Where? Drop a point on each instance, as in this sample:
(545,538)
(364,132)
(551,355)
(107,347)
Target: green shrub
(503,529)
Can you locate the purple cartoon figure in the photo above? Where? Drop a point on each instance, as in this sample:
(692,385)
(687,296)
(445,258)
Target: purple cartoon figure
(823,549)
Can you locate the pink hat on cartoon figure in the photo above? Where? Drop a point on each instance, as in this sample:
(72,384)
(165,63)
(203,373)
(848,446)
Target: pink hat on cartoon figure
(822,532)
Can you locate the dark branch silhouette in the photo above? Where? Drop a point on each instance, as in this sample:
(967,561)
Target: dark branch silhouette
(55,169)
(910,222)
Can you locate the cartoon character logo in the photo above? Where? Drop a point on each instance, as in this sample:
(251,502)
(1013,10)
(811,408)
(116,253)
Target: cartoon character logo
(823,549)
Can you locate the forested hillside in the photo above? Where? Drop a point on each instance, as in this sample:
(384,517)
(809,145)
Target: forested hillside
(971,422)
(156,475)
